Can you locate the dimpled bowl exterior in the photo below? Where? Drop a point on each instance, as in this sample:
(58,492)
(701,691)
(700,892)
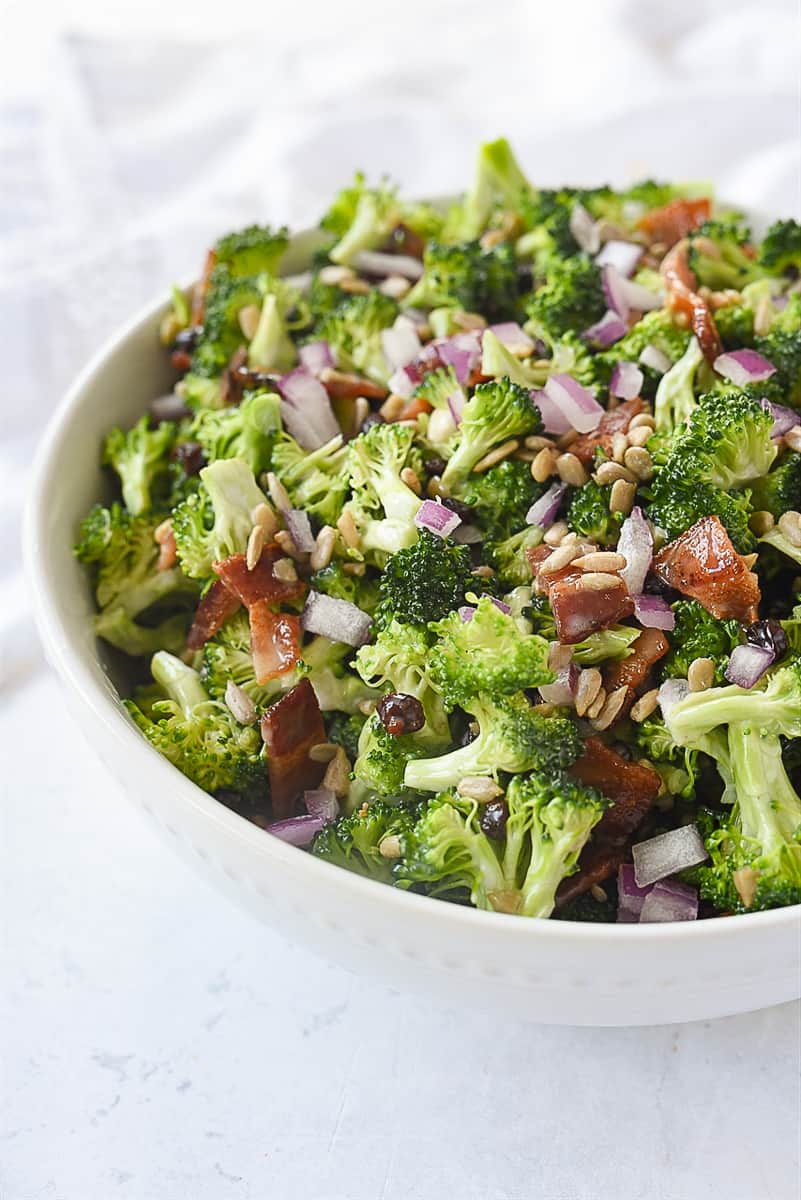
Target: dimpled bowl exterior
(547,971)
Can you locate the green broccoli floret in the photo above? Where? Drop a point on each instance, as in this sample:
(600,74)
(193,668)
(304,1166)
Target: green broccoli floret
(588,514)
(215,522)
(271,348)
(756,852)
(221,334)
(487,655)
(674,509)
(550,820)
(495,412)
(247,431)
(199,392)
(782,347)
(398,660)
(142,609)
(498,183)
(469,277)
(735,325)
(546,215)
(501,498)
(334,580)
(227,657)
(508,558)
(344,729)
(382,506)
(198,735)
(425,582)
(354,842)
(718,253)
(316,480)
(252,250)
(675,398)
(676,765)
(570,300)
(141,459)
(382,759)
(780,489)
(353,331)
(726,443)
(773,707)
(361,218)
(780,252)
(698,634)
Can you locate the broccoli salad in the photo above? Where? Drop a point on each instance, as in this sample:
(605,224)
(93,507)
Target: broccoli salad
(469,559)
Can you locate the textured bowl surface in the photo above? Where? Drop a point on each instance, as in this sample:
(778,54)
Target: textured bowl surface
(548,971)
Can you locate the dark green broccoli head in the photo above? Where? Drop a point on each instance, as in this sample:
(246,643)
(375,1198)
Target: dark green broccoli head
(467,276)
(252,250)
(720,253)
(735,324)
(588,514)
(425,582)
(698,634)
(353,331)
(501,498)
(571,298)
(141,459)
(446,854)
(780,489)
(726,443)
(221,334)
(783,348)
(780,252)
(382,758)
(354,842)
(344,729)
(247,431)
(674,508)
(497,410)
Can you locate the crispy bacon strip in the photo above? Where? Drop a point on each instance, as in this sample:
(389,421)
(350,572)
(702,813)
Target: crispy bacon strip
(597,863)
(674,220)
(616,420)
(201,290)
(260,583)
(703,564)
(341,386)
(631,787)
(682,297)
(631,672)
(213,611)
(274,641)
(290,728)
(580,611)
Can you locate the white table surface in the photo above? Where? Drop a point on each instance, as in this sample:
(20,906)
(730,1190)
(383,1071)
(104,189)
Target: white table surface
(155,1042)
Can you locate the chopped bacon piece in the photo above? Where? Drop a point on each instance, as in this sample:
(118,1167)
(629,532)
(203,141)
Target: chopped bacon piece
(632,671)
(274,641)
(674,220)
(181,360)
(413,408)
(213,611)
(617,420)
(579,610)
(290,728)
(201,290)
(703,564)
(260,583)
(404,240)
(631,787)
(682,297)
(537,555)
(341,386)
(597,863)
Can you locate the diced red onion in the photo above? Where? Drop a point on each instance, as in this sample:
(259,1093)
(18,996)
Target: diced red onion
(316,357)
(297,831)
(466,612)
(743,366)
(623,256)
(669,901)
(436,518)
(401,383)
(543,511)
(667,853)
(462,352)
(656,359)
(169,408)
(612,283)
(400,343)
(456,403)
(322,803)
(510,335)
(306,409)
(299,529)
(748,663)
(672,691)
(563,688)
(577,403)
(784,418)
(607,331)
(584,229)
(504,608)
(626,381)
(373,262)
(553,419)
(636,544)
(641,299)
(654,612)
(336,619)
(630,897)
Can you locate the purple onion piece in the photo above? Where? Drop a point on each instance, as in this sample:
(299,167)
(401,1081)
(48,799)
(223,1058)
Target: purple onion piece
(400,343)
(744,366)
(436,518)
(462,352)
(784,419)
(322,803)
(748,663)
(667,854)
(543,511)
(576,402)
(504,608)
(584,229)
(623,256)
(336,619)
(640,298)
(654,612)
(563,688)
(510,335)
(626,381)
(466,612)
(402,383)
(612,283)
(456,403)
(610,329)
(297,831)
(672,692)
(553,419)
(306,409)
(636,544)
(316,357)
(669,901)
(630,897)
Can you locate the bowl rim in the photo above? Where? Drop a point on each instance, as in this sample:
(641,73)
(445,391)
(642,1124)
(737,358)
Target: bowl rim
(73,669)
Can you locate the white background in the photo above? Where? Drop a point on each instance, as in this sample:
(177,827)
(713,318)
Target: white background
(155,1043)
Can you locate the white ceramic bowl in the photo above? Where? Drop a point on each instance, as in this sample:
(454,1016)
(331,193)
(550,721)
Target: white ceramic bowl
(548,971)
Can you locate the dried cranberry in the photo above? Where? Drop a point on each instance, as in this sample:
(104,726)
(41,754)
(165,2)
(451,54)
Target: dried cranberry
(463,511)
(186,339)
(769,634)
(400,713)
(434,465)
(190,456)
(493,819)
